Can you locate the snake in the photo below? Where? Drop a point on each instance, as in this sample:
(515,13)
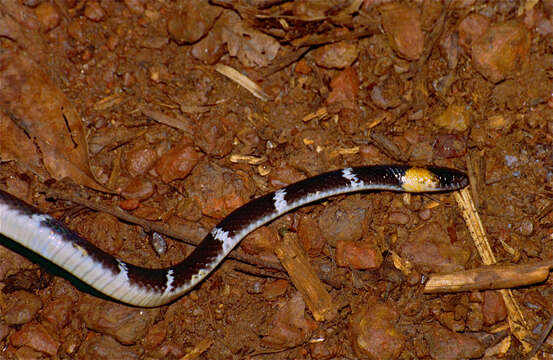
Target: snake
(150,287)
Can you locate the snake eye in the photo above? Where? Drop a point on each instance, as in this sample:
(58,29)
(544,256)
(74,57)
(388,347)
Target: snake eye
(450,179)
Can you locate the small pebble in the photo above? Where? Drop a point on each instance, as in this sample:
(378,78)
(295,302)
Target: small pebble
(447,146)
(139,160)
(139,188)
(128,325)
(402,25)
(455,117)
(502,51)
(493,307)
(429,246)
(425,214)
(290,327)
(255,288)
(374,333)
(358,255)
(75,30)
(310,236)
(129,204)
(397,217)
(178,162)
(37,337)
(48,15)
(93,11)
(21,307)
(136,6)
(155,336)
(97,347)
(193,22)
(471,28)
(336,56)
(275,289)
(526,227)
(58,311)
(159,244)
(4,330)
(446,344)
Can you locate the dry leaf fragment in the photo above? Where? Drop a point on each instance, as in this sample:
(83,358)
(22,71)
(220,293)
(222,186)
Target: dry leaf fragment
(242,80)
(43,111)
(15,145)
(252,47)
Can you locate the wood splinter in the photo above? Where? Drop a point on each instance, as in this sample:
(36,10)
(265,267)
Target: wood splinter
(489,277)
(304,277)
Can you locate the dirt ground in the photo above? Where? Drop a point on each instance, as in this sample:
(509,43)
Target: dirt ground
(141,124)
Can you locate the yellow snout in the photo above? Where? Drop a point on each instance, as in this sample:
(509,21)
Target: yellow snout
(419,180)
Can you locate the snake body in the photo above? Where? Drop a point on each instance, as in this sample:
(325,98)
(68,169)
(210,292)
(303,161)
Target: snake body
(139,286)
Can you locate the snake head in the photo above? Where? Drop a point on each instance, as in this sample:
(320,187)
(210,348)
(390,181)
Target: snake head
(433,179)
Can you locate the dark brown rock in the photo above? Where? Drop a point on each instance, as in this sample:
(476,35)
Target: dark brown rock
(402,25)
(338,55)
(471,29)
(358,255)
(12,263)
(216,137)
(448,345)
(104,230)
(430,248)
(503,51)
(274,289)
(285,175)
(178,162)
(59,311)
(449,320)
(218,190)
(310,236)
(103,347)
(139,188)
(139,160)
(261,242)
(156,335)
(62,287)
(345,90)
(493,307)
(374,333)
(21,307)
(37,337)
(344,220)
(126,324)
(192,22)
(48,15)
(290,326)
(397,217)
(449,146)
(209,49)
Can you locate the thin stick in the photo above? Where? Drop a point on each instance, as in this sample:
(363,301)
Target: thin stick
(517,323)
